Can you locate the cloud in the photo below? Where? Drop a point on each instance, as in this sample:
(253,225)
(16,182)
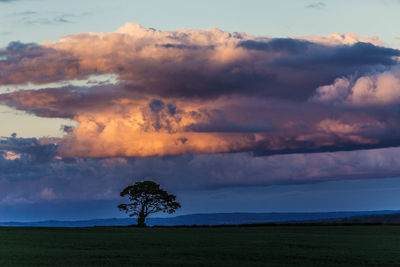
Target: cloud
(48,193)
(207,91)
(292,46)
(222,63)
(379,90)
(61,19)
(41,18)
(336,39)
(316,5)
(10,155)
(25,180)
(26,13)
(32,149)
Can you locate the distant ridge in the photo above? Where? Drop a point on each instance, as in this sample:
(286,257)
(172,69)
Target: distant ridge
(363,219)
(216,219)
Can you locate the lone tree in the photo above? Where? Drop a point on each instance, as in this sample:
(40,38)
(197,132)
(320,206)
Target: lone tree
(146,198)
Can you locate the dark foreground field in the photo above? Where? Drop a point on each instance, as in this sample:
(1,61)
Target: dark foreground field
(234,246)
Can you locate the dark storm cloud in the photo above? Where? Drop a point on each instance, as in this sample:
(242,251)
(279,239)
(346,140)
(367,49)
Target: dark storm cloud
(311,147)
(30,149)
(284,68)
(228,127)
(156,105)
(217,121)
(15,51)
(304,66)
(359,54)
(292,46)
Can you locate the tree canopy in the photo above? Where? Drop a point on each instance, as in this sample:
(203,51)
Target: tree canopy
(146,198)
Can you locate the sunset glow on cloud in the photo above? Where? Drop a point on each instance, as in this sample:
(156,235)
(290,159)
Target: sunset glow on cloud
(209,91)
(198,109)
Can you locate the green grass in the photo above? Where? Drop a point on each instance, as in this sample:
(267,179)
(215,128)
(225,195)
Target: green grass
(236,246)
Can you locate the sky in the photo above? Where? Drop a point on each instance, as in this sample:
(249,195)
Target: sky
(251,106)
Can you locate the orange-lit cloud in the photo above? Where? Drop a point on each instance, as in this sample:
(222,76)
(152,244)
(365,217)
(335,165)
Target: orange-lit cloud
(208,91)
(10,155)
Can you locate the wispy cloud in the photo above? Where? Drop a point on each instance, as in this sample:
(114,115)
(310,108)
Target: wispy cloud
(35,18)
(316,5)
(30,17)
(25,13)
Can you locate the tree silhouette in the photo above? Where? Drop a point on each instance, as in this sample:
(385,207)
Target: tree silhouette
(146,198)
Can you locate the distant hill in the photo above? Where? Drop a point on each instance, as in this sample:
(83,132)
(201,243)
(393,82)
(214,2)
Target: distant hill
(224,218)
(374,218)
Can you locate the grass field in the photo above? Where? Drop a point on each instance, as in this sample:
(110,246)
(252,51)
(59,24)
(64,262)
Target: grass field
(234,246)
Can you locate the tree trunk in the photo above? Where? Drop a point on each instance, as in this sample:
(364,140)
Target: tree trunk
(141,221)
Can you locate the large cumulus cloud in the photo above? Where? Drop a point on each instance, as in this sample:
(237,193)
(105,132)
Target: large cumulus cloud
(206,91)
(375,90)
